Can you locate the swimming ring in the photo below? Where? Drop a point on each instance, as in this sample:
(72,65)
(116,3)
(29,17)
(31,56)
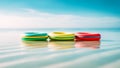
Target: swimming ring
(61,36)
(35,36)
(85,36)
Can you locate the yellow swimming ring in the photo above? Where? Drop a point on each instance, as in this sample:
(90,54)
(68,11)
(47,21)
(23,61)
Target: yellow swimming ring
(61,36)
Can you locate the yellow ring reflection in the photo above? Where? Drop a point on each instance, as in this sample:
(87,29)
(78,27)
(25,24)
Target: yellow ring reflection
(60,45)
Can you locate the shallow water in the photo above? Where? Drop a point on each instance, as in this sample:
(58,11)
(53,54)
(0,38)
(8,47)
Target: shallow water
(15,53)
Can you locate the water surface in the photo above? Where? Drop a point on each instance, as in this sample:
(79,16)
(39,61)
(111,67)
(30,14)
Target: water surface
(15,53)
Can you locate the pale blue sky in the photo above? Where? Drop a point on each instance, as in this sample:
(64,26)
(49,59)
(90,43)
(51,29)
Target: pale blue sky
(59,13)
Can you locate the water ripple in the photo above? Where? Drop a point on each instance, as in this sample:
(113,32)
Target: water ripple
(58,58)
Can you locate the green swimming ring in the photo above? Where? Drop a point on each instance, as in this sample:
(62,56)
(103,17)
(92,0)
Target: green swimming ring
(35,36)
(35,39)
(61,36)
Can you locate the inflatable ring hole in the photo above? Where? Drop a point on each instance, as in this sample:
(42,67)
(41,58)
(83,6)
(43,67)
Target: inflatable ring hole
(83,33)
(58,32)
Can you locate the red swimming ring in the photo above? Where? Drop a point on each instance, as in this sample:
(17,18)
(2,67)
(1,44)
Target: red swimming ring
(85,36)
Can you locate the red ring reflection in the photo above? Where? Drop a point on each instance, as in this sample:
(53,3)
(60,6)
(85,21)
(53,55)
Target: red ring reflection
(87,44)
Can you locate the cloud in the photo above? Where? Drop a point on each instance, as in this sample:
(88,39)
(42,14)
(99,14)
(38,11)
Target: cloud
(30,18)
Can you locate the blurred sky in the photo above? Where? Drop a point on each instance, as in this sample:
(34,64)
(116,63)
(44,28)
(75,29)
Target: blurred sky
(59,13)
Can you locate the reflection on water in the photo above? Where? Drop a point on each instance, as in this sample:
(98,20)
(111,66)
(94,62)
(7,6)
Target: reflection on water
(59,45)
(87,44)
(34,44)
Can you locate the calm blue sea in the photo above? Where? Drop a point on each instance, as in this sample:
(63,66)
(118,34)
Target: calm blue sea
(15,53)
